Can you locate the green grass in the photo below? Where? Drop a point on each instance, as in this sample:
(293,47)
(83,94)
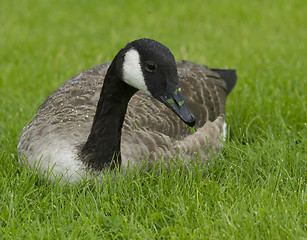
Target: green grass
(257,187)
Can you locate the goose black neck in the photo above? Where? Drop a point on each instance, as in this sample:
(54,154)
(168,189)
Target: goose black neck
(102,149)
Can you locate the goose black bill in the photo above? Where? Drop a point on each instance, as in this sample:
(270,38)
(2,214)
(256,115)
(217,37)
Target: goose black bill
(174,100)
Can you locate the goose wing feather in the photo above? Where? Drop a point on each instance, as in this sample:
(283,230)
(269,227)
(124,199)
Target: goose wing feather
(151,129)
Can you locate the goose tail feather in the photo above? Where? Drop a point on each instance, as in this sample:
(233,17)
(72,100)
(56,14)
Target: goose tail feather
(229,76)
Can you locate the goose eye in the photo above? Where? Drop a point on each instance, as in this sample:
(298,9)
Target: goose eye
(150,66)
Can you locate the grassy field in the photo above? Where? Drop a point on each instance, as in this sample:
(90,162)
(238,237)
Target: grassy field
(257,187)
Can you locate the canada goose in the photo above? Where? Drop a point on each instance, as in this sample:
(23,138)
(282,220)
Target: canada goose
(85,125)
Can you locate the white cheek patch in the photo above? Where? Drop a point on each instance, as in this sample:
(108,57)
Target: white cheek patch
(132,71)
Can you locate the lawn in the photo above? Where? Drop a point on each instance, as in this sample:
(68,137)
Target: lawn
(257,187)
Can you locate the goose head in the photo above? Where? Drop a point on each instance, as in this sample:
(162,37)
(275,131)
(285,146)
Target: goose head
(150,66)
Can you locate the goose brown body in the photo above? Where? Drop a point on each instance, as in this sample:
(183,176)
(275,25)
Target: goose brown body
(150,129)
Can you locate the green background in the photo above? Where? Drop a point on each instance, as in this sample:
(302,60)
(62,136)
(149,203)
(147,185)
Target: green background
(257,187)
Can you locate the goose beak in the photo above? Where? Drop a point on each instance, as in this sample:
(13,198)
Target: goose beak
(174,100)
